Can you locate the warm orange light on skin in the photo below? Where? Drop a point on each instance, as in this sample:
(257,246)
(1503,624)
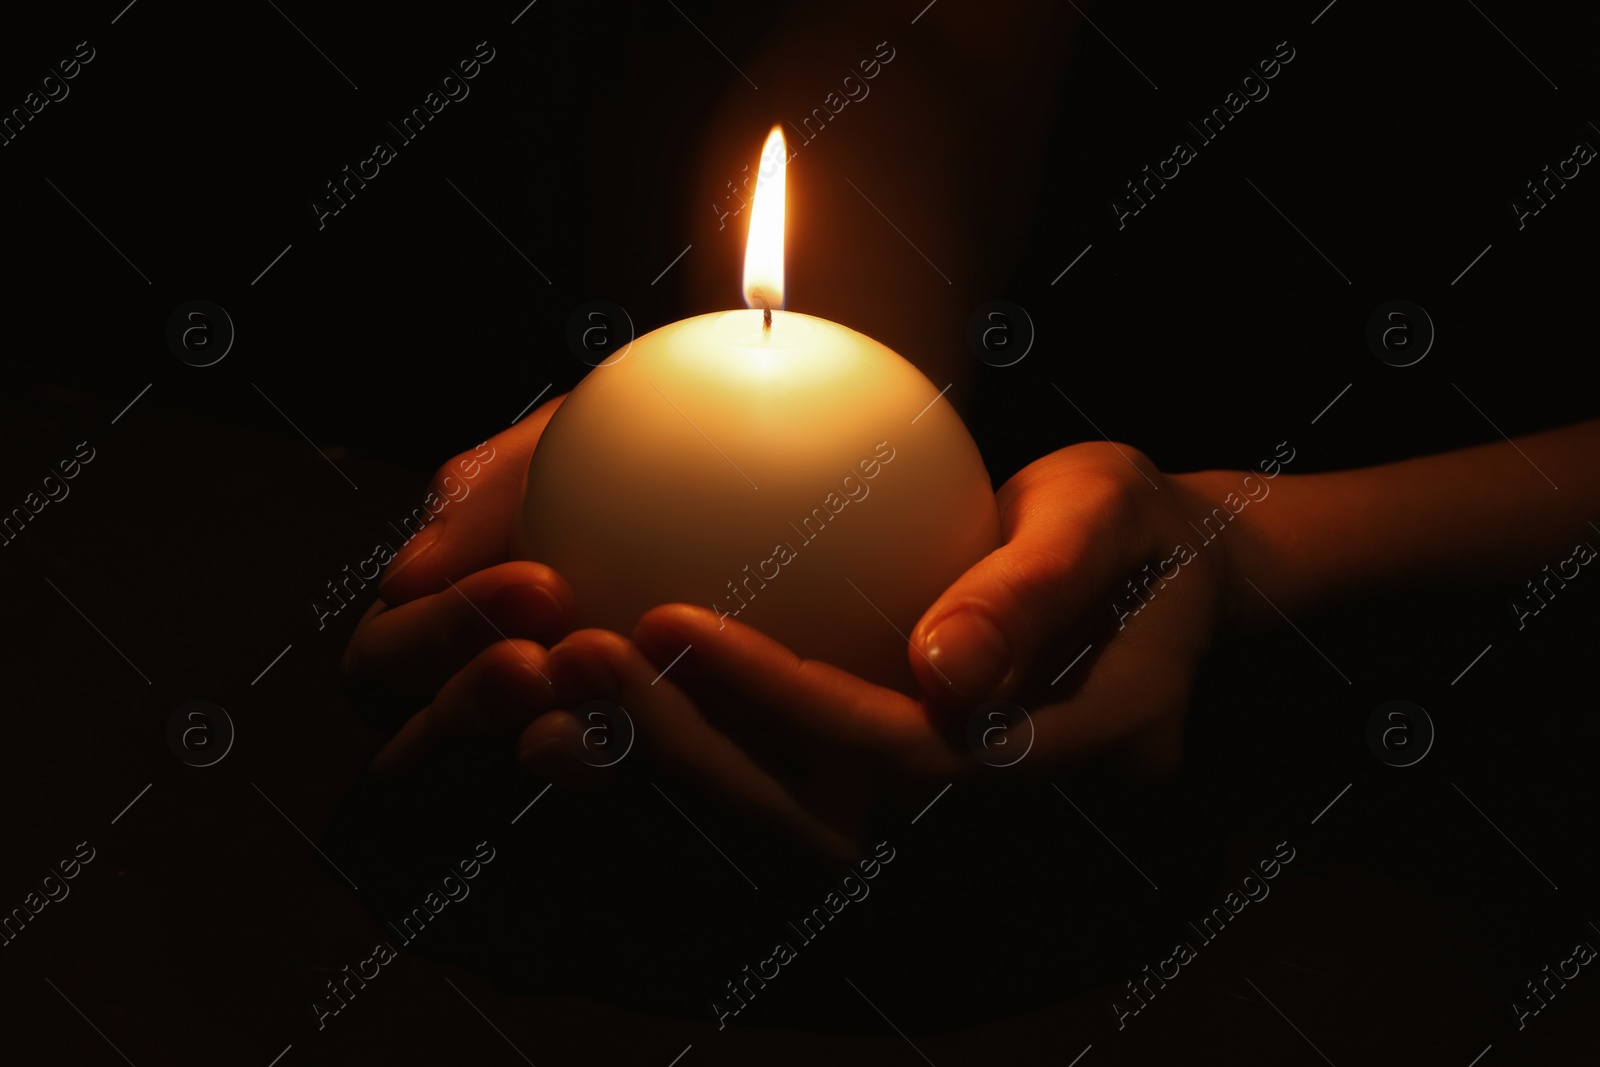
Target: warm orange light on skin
(763,250)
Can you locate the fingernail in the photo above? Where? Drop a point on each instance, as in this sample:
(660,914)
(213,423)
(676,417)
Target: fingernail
(524,611)
(967,650)
(538,756)
(419,546)
(510,691)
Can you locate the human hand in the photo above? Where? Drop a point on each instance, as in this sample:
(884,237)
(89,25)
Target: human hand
(813,748)
(460,628)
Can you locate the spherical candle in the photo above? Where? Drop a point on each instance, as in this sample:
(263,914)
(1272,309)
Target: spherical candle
(777,468)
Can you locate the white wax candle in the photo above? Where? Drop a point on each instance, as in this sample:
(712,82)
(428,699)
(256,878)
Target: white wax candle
(803,480)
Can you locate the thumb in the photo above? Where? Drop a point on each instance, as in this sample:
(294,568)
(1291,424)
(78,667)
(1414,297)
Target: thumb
(1071,531)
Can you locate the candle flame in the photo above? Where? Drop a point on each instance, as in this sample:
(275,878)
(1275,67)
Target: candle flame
(763,250)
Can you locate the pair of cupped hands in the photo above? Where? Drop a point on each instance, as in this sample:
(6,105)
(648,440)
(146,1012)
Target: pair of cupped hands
(485,645)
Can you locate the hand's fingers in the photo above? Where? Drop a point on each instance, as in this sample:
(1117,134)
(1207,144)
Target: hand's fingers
(548,747)
(1130,706)
(492,698)
(1072,530)
(411,650)
(774,692)
(598,664)
(467,515)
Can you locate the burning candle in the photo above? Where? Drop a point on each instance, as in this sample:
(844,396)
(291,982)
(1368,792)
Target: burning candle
(777,468)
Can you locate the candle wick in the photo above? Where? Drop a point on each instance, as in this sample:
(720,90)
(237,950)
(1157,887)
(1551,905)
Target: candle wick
(766,318)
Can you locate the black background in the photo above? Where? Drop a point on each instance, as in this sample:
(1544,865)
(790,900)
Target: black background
(407,329)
